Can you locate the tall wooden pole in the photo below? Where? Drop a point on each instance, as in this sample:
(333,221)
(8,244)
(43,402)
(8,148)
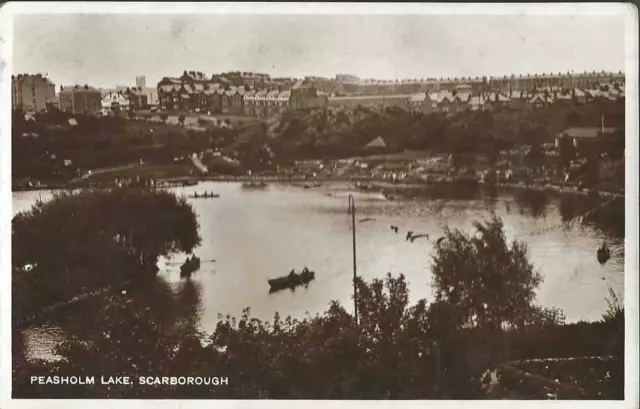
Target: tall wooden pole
(352,207)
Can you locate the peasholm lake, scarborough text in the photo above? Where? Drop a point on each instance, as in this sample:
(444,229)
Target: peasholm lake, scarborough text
(127,380)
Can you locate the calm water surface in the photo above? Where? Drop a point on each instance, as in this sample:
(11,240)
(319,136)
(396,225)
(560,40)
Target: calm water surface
(251,235)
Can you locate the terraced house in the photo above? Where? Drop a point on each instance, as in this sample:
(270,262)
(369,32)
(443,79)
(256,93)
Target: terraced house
(185,93)
(224,93)
(266,103)
(79,99)
(232,100)
(138,99)
(129,99)
(32,92)
(569,80)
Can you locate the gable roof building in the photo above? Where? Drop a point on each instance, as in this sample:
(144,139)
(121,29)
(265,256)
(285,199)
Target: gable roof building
(377,143)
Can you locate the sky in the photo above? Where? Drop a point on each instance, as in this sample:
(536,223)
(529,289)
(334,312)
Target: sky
(108,50)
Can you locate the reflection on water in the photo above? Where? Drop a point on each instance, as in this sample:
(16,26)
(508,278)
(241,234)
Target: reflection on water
(177,306)
(532,202)
(250,236)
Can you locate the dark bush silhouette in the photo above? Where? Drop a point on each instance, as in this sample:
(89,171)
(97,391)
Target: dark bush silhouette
(99,238)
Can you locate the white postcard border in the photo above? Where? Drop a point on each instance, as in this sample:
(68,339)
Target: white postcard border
(631,199)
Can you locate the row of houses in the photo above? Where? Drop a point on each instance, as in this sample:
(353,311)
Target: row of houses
(351,84)
(238,79)
(36,92)
(463,98)
(218,98)
(195,93)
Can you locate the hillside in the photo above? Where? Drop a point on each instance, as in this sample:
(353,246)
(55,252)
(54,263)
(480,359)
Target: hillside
(343,132)
(52,148)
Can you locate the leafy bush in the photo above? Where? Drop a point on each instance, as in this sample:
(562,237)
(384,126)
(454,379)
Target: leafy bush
(486,282)
(81,241)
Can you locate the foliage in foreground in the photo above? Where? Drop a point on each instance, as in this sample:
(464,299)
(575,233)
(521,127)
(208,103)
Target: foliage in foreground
(486,281)
(397,351)
(78,242)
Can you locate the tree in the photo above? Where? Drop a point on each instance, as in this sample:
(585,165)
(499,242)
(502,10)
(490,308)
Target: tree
(567,150)
(99,238)
(534,158)
(614,144)
(489,283)
(590,171)
(181,119)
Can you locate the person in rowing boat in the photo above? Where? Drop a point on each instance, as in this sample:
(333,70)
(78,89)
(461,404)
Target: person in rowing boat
(603,253)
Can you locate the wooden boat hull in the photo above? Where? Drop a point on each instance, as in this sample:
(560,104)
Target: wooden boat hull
(189,268)
(290,282)
(603,256)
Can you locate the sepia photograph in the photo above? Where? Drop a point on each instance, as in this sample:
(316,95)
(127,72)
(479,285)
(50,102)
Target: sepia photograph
(377,202)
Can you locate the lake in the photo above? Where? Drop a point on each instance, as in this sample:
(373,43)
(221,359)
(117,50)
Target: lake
(251,235)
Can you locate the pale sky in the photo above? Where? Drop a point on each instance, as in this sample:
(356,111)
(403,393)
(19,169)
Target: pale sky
(109,50)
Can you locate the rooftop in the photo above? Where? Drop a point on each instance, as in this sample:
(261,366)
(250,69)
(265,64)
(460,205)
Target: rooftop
(78,88)
(586,132)
(22,77)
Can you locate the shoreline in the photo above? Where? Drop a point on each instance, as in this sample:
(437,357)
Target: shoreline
(378,183)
